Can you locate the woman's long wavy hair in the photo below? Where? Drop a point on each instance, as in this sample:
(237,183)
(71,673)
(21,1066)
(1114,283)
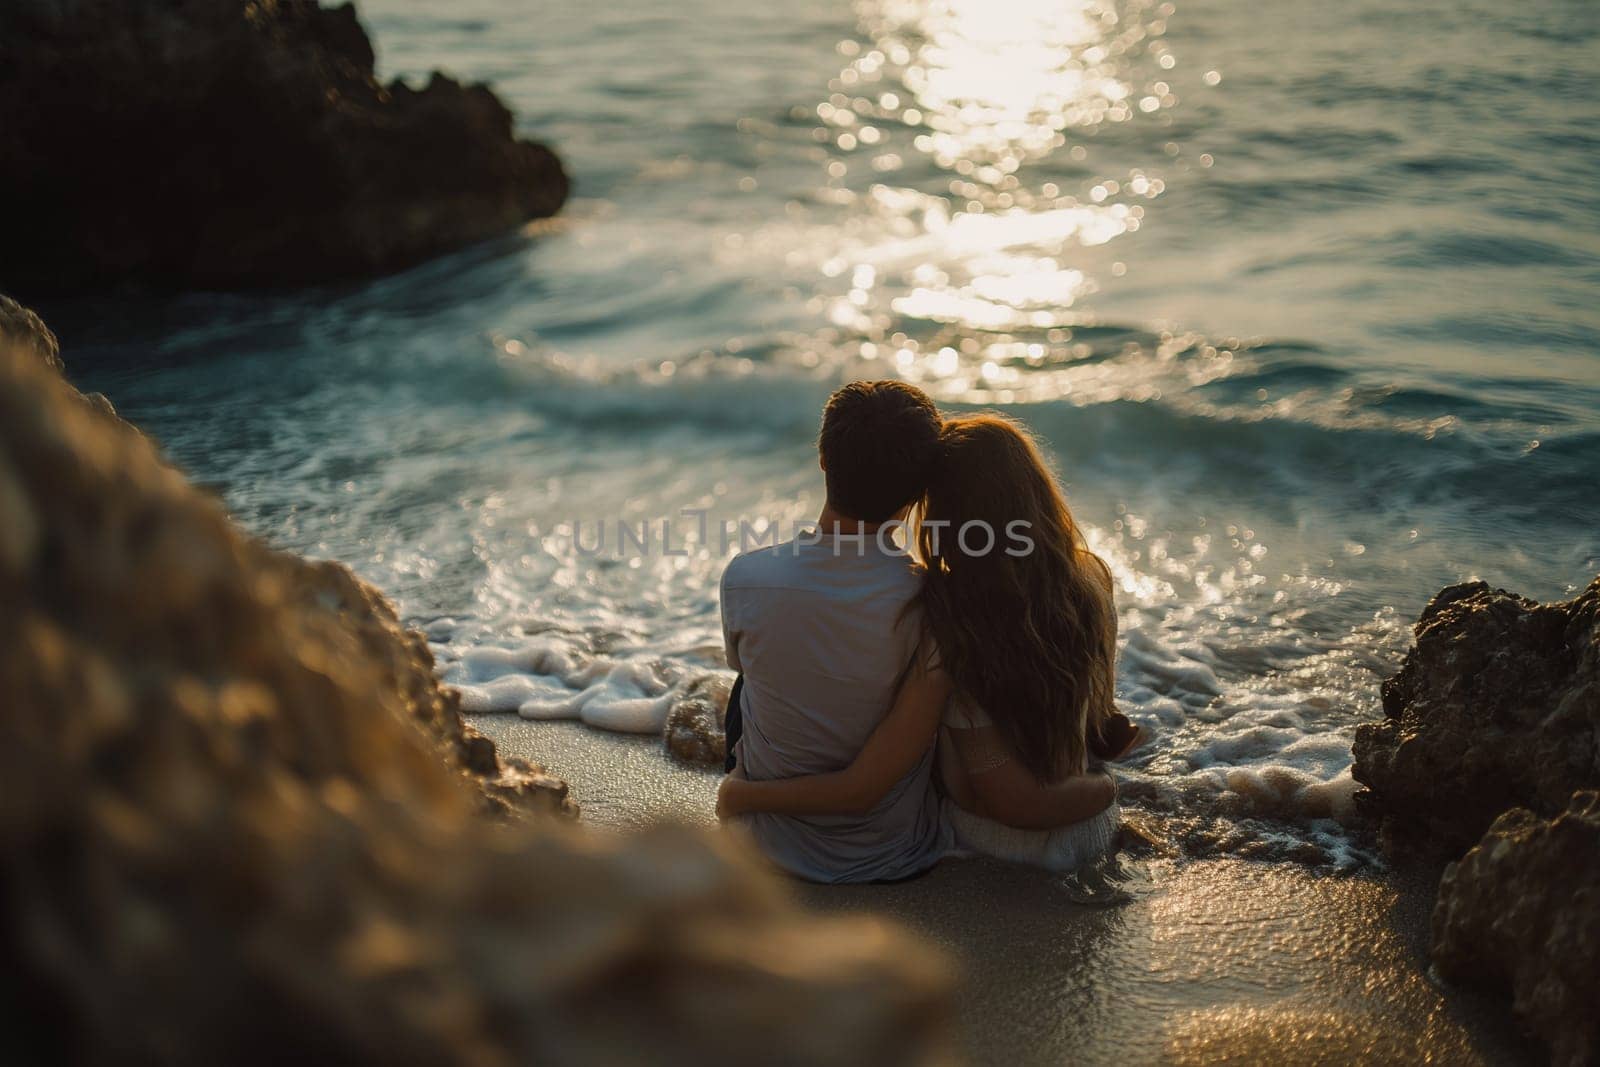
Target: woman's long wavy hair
(1031,636)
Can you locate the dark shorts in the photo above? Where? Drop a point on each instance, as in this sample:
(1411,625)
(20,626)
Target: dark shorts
(733,723)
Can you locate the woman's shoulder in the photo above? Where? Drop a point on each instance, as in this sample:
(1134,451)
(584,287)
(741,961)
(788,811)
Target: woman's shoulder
(964,713)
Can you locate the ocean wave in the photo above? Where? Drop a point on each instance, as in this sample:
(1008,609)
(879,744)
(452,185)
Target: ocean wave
(1274,414)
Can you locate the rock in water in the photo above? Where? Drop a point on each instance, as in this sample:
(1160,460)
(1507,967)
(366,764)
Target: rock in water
(694,730)
(1493,724)
(1497,706)
(238,143)
(241,823)
(1522,909)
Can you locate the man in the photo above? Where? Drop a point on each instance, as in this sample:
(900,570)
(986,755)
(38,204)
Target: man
(820,630)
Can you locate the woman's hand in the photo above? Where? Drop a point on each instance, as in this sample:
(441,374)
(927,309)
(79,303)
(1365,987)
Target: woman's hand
(730,798)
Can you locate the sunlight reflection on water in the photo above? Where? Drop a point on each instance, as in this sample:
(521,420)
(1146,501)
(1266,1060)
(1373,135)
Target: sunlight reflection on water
(993,96)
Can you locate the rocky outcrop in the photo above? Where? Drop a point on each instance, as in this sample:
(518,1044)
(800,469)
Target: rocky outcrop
(1497,706)
(22,329)
(241,823)
(1522,911)
(238,143)
(1491,741)
(694,729)
(407,669)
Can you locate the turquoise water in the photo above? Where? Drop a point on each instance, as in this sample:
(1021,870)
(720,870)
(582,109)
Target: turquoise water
(1302,299)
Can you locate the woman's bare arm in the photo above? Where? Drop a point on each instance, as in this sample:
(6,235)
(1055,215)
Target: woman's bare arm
(895,747)
(1000,787)
(1010,794)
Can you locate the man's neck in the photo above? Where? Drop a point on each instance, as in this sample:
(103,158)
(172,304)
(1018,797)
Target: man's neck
(835,523)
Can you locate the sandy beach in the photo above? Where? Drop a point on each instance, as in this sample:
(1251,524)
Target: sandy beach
(1213,961)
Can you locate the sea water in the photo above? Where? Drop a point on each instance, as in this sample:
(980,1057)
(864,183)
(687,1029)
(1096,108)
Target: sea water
(1300,299)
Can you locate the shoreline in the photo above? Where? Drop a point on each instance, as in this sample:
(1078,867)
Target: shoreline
(1215,959)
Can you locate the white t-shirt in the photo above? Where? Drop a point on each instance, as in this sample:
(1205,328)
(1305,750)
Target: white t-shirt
(820,629)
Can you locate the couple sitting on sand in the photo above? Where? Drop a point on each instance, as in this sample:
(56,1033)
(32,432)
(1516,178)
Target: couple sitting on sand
(890,708)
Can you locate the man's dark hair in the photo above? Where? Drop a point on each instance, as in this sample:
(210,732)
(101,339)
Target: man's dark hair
(879,441)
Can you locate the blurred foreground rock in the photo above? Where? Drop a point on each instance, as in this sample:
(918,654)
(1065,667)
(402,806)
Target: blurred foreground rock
(1491,741)
(1522,910)
(238,143)
(241,823)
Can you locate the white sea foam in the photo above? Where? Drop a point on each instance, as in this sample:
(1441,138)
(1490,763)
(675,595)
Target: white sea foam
(1266,758)
(547,678)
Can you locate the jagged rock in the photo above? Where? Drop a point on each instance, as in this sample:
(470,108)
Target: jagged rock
(408,669)
(1522,909)
(241,823)
(21,328)
(1497,706)
(694,730)
(238,143)
(1493,724)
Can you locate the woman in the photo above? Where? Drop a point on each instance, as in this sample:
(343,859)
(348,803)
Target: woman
(1016,666)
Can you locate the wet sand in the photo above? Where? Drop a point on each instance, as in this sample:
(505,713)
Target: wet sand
(1211,961)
